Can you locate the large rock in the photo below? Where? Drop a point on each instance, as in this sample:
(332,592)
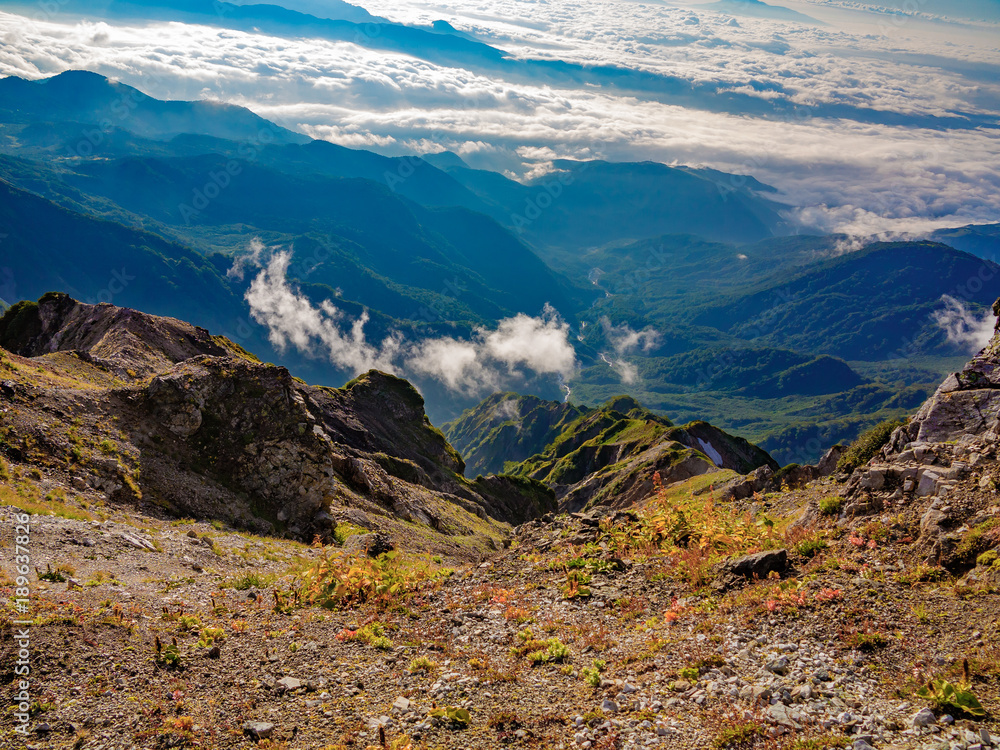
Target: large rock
(372,545)
(828,464)
(764,479)
(751,567)
(928,483)
(966,403)
(742,488)
(258,730)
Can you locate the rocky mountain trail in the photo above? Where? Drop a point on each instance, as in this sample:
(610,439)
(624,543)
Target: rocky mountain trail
(628,654)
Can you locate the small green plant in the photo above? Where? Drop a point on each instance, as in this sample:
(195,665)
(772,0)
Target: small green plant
(39,707)
(345,531)
(862,450)
(739,737)
(954,698)
(575,586)
(831,505)
(108,447)
(52,576)
(690,674)
(554,651)
(988,558)
(372,634)
(246,581)
(457,718)
(867,641)
(592,676)
(209,636)
(921,574)
(167,656)
(187,623)
(978,541)
(422,664)
(811,546)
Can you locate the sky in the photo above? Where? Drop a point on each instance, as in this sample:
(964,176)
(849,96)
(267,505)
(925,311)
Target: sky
(867,118)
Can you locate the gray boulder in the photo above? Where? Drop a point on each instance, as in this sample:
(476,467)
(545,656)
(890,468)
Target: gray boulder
(258,730)
(751,567)
(828,464)
(966,403)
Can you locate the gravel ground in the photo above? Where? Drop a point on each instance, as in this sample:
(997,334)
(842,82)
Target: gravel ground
(831,658)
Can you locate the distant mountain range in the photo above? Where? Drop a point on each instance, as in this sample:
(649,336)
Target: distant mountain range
(153,204)
(78,97)
(758,9)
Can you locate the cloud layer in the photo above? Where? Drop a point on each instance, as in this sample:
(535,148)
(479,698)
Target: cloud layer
(866,124)
(518,349)
(965,328)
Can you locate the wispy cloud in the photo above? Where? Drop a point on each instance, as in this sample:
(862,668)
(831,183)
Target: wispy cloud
(625,340)
(965,328)
(518,349)
(292,320)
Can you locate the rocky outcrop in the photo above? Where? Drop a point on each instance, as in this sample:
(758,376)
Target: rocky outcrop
(213,432)
(129,343)
(936,467)
(754,567)
(967,403)
(828,463)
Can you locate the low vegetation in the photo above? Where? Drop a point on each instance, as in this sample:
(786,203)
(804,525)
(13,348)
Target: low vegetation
(870,442)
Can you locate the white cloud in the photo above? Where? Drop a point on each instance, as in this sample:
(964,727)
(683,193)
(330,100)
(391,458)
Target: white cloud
(627,371)
(873,162)
(964,327)
(508,411)
(519,348)
(250,259)
(292,319)
(625,340)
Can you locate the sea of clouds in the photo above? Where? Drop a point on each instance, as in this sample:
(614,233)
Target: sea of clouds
(870,119)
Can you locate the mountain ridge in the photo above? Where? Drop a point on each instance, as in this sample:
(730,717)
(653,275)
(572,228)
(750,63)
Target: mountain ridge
(607,455)
(206,429)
